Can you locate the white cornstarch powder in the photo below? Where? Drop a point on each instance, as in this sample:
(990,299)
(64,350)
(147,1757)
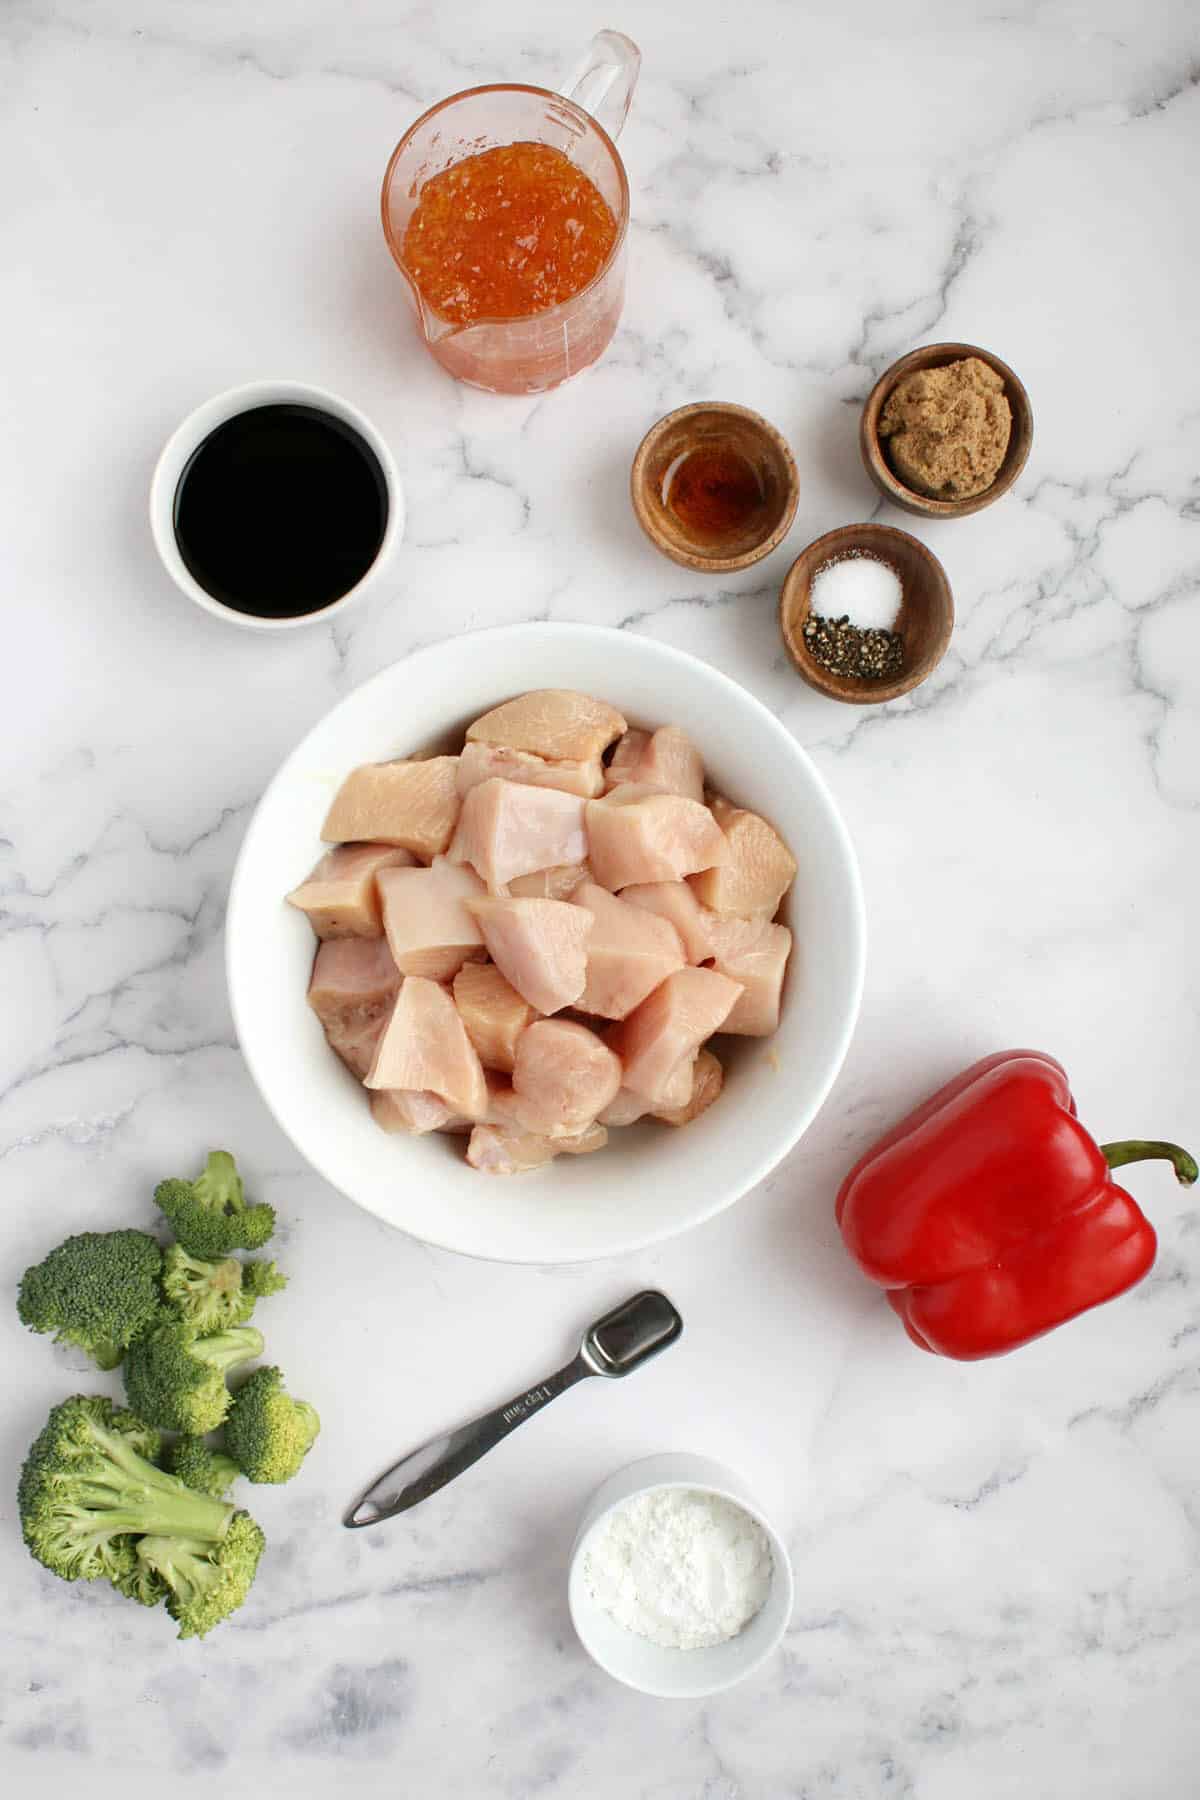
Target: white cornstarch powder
(680,1567)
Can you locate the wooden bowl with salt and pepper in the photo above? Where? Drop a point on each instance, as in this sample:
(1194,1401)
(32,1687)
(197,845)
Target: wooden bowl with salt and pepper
(924,619)
(873,443)
(714,487)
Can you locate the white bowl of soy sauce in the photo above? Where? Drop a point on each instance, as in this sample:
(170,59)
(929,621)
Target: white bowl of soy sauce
(275,505)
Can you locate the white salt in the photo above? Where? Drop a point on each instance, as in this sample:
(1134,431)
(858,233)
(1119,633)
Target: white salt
(681,1567)
(859,588)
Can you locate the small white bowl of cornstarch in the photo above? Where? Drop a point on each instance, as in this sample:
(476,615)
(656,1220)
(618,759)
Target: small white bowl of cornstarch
(679,1586)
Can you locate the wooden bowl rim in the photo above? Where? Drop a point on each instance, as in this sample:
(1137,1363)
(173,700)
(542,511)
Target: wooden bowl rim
(853,689)
(696,559)
(936,356)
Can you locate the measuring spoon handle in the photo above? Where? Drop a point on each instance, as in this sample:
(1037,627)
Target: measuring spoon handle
(423,1471)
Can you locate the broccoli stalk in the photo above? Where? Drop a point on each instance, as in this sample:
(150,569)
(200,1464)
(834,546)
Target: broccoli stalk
(208,1471)
(175,1379)
(209,1216)
(97,1290)
(212,1296)
(132,1578)
(267,1433)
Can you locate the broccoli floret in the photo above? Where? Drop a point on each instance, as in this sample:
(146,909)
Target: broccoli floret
(261,1278)
(120,1563)
(88,1488)
(139,1582)
(206,1295)
(209,1216)
(176,1379)
(212,1296)
(204,1581)
(267,1433)
(93,1504)
(208,1471)
(97,1290)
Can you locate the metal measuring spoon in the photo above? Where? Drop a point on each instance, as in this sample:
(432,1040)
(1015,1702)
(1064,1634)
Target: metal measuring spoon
(615,1345)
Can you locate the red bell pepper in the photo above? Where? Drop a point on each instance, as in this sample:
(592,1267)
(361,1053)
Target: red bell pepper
(990,1215)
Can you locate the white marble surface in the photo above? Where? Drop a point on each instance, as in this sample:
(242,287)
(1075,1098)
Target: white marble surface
(997,1566)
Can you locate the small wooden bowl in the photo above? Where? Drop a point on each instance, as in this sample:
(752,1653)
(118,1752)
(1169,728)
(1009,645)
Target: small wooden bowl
(925,619)
(874,452)
(708,423)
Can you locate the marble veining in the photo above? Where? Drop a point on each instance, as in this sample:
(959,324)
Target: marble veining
(998,1566)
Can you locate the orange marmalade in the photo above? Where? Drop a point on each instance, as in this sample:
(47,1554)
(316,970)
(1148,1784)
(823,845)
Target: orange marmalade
(507,233)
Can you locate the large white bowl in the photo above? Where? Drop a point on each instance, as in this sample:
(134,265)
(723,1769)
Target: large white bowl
(651,1182)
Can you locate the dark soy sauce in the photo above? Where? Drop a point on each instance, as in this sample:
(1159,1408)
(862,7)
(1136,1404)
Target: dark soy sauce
(280,511)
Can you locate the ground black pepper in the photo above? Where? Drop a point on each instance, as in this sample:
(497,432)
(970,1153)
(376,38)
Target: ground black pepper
(846,649)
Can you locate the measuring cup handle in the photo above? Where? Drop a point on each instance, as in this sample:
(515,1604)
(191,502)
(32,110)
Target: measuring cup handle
(603,83)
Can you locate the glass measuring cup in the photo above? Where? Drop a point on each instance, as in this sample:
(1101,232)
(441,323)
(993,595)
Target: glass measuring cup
(526,355)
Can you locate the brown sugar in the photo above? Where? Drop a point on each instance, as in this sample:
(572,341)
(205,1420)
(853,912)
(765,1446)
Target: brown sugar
(947,429)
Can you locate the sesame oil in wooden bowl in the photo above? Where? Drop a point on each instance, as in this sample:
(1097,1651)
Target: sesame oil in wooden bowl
(714,486)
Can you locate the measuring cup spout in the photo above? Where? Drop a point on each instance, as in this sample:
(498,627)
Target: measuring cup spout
(604,81)
(433,328)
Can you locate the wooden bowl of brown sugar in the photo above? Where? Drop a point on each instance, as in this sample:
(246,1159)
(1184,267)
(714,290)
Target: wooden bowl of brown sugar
(874,446)
(923,623)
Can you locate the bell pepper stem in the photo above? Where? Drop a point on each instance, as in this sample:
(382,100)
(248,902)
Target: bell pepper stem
(1131,1150)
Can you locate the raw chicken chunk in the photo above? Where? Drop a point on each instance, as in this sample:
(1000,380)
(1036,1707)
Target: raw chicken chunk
(415,1113)
(626,1109)
(485,762)
(754,952)
(540,946)
(352,991)
(581,1143)
(755,875)
(665,759)
(493,1012)
(550,884)
(658,1043)
(429,930)
(563,1076)
(504,1109)
(413,804)
(495,1151)
(675,901)
(425,1047)
(340,896)
(708,1078)
(506,830)
(551,722)
(625,758)
(637,834)
(628,953)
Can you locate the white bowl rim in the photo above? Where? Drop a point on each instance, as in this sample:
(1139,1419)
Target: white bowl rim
(757,1168)
(782,1572)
